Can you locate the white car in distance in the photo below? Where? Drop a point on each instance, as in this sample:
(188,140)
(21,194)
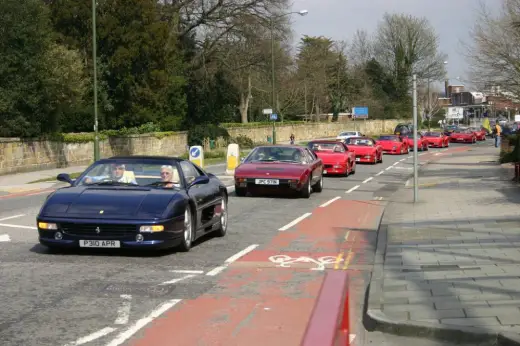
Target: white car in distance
(348,134)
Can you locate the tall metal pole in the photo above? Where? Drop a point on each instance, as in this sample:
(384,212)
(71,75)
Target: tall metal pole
(94,62)
(415,153)
(273,102)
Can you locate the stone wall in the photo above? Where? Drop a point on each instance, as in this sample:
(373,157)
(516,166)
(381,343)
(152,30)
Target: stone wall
(18,155)
(309,131)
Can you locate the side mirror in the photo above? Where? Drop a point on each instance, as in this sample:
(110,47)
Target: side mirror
(64,177)
(203,179)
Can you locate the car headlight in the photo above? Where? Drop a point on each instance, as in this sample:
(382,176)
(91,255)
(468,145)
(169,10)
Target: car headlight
(46,225)
(151,229)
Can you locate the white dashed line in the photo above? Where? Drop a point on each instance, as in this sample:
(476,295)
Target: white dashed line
(378,174)
(395,164)
(367,180)
(219,269)
(329,202)
(91,337)
(123,313)
(402,160)
(422,154)
(127,334)
(388,168)
(16,226)
(4,238)
(410,156)
(174,281)
(378,198)
(12,217)
(294,222)
(352,189)
(187,271)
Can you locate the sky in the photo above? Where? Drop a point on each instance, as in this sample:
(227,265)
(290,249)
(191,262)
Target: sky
(339,20)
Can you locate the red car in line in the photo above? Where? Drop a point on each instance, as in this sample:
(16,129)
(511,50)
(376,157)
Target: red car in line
(393,144)
(366,149)
(336,157)
(480,133)
(280,169)
(463,136)
(422,142)
(437,139)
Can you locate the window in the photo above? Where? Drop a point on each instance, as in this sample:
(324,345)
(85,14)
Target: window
(189,170)
(310,155)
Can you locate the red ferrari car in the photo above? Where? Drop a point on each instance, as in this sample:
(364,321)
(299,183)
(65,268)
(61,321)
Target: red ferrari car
(336,157)
(422,142)
(463,136)
(366,149)
(280,168)
(437,139)
(393,144)
(480,133)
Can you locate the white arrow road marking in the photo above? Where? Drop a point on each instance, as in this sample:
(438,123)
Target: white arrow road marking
(4,238)
(91,337)
(123,313)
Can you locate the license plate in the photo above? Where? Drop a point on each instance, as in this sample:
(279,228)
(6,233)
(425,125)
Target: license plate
(324,171)
(461,139)
(358,159)
(100,243)
(267,181)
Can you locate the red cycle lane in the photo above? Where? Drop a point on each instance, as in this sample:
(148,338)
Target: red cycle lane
(267,296)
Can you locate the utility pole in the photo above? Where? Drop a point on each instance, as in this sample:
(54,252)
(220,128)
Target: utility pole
(94,62)
(273,99)
(415,153)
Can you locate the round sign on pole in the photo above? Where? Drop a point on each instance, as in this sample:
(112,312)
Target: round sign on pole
(233,158)
(197,155)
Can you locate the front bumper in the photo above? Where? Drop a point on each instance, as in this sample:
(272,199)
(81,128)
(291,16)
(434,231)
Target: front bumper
(461,140)
(365,158)
(73,231)
(392,151)
(283,184)
(334,169)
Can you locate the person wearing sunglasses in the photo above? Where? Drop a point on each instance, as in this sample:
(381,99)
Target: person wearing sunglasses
(117,175)
(170,177)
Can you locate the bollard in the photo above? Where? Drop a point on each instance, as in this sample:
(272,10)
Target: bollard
(232,158)
(197,155)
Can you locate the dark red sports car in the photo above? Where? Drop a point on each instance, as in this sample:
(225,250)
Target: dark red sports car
(366,149)
(437,139)
(463,136)
(280,168)
(480,133)
(393,144)
(422,142)
(336,157)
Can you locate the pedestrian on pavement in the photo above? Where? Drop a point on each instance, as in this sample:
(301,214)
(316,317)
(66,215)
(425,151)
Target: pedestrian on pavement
(497,131)
(292,138)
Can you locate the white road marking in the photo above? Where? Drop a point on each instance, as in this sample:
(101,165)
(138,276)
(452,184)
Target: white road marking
(17,226)
(351,337)
(216,271)
(12,217)
(422,154)
(367,180)
(402,160)
(4,238)
(188,271)
(127,334)
(220,269)
(352,189)
(230,189)
(437,154)
(378,198)
(378,174)
(38,193)
(329,202)
(294,222)
(91,337)
(123,313)
(410,156)
(171,282)
(388,168)
(395,164)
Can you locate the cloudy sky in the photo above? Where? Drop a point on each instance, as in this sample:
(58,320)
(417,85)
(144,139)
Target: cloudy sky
(339,20)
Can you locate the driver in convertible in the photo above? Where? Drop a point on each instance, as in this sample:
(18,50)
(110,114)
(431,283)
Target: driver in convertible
(117,175)
(169,176)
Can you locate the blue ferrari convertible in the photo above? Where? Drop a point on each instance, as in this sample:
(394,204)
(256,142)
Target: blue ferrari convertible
(134,202)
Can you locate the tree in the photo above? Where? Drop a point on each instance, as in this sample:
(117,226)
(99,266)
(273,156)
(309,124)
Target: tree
(494,53)
(405,45)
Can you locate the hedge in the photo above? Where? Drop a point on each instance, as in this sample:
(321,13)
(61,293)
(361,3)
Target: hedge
(260,124)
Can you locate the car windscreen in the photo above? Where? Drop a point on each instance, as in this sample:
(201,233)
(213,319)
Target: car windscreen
(348,134)
(132,173)
(389,138)
(432,134)
(276,154)
(361,141)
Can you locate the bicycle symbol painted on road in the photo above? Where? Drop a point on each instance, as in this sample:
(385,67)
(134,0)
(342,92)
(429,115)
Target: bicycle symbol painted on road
(285,261)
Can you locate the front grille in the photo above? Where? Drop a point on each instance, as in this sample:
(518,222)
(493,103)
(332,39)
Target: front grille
(106,230)
(327,166)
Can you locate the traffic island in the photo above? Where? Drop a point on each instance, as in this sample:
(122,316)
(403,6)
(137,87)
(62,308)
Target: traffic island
(447,268)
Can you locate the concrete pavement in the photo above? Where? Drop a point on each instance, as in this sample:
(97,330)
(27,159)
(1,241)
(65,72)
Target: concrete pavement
(447,267)
(107,298)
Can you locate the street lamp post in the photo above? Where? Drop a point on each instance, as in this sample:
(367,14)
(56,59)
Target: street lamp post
(94,62)
(273,82)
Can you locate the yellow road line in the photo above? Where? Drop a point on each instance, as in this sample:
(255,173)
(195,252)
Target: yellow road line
(347,260)
(338,259)
(347,235)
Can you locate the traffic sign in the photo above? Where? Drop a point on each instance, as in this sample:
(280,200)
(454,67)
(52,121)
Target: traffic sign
(196,154)
(274,116)
(267,111)
(360,112)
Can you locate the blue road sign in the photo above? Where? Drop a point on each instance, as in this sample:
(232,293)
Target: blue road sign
(360,112)
(274,116)
(195,152)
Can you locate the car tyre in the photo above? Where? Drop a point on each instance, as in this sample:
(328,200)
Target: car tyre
(240,191)
(318,187)
(307,189)
(223,223)
(187,234)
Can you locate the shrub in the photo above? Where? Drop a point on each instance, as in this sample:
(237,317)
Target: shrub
(243,141)
(197,134)
(260,124)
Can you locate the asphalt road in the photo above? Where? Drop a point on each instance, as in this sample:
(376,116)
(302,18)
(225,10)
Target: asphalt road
(75,297)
